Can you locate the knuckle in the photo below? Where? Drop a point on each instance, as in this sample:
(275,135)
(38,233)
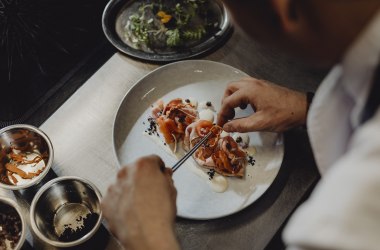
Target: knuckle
(153,157)
(227,127)
(231,84)
(111,189)
(239,127)
(256,83)
(261,123)
(158,160)
(226,102)
(144,161)
(140,162)
(248,79)
(169,172)
(122,173)
(148,164)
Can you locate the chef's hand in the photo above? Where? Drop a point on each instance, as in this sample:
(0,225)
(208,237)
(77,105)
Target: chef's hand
(276,108)
(141,206)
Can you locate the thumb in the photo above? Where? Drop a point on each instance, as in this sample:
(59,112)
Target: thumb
(245,124)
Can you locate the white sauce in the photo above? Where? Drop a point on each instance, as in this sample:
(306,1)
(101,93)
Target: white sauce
(218,183)
(159,142)
(27,168)
(207,115)
(224,134)
(193,102)
(203,105)
(244,139)
(251,151)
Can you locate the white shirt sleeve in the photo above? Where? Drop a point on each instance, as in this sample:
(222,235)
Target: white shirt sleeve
(344,210)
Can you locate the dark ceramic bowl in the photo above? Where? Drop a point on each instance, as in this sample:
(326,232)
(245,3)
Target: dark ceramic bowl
(117,11)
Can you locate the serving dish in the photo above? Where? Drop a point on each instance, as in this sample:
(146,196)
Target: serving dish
(118,11)
(205,80)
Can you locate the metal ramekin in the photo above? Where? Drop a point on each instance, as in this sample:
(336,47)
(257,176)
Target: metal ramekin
(37,179)
(55,194)
(13,204)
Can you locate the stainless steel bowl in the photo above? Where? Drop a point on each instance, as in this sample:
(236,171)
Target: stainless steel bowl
(21,136)
(66,211)
(14,205)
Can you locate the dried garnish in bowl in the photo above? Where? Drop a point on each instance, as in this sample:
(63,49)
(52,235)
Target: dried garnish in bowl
(11,226)
(25,156)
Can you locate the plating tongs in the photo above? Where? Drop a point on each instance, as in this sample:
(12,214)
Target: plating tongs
(188,154)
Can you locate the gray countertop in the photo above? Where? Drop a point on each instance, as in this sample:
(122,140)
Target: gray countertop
(81,133)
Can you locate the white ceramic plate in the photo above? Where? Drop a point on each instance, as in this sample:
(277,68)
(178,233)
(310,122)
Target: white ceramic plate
(205,81)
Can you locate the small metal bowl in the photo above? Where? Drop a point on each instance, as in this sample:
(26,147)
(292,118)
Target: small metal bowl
(23,138)
(66,211)
(10,203)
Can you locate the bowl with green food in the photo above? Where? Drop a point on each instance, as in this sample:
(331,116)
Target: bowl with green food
(166,30)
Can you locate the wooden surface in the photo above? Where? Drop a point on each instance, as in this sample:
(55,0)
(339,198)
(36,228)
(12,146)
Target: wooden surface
(81,133)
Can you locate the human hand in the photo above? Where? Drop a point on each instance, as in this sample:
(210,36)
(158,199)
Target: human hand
(141,206)
(276,108)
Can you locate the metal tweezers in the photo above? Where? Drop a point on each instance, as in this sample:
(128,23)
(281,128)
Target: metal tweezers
(188,154)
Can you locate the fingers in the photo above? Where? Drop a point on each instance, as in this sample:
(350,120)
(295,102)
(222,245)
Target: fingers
(151,164)
(148,164)
(232,87)
(227,112)
(173,190)
(225,115)
(122,174)
(153,168)
(237,94)
(150,161)
(252,123)
(107,206)
(169,175)
(143,190)
(169,172)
